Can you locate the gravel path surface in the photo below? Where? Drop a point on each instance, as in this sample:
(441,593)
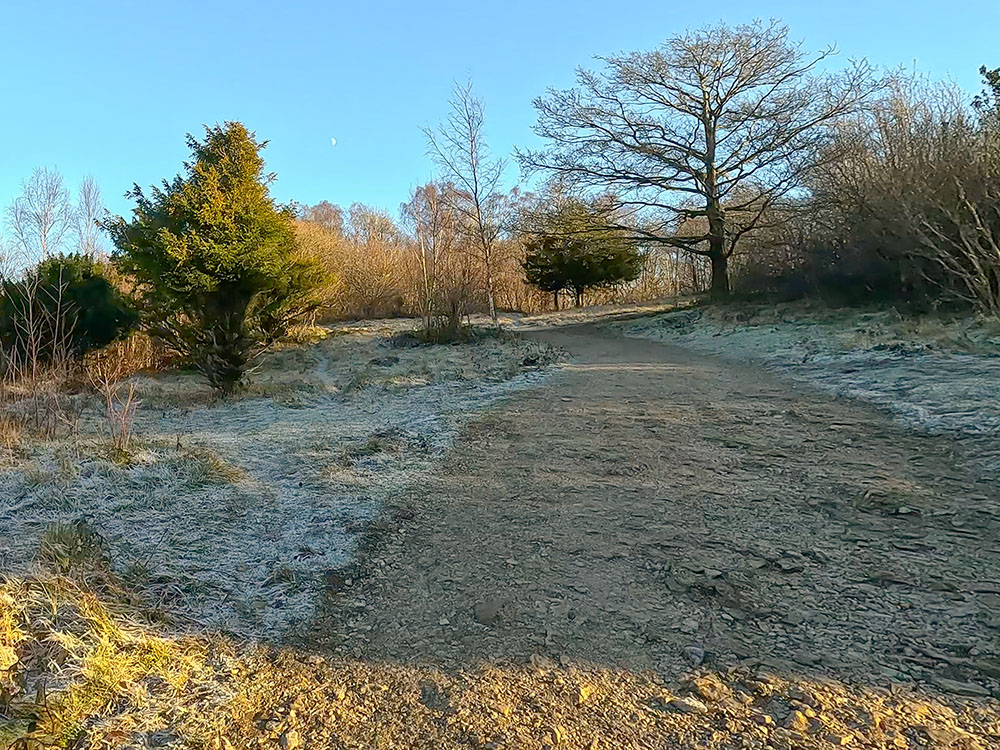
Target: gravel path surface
(654,510)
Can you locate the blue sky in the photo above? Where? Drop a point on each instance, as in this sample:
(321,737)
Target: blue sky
(110,88)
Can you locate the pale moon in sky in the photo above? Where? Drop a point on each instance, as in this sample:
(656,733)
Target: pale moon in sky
(333,141)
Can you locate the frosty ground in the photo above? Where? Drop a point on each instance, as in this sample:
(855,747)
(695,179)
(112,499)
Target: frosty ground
(566,538)
(936,374)
(228,515)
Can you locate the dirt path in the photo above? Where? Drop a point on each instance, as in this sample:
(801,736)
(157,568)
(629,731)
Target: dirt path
(650,511)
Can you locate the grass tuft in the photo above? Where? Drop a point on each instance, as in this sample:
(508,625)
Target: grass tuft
(75,549)
(205,466)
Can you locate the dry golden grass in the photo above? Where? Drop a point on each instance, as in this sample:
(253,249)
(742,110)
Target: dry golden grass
(79,670)
(137,353)
(11,436)
(74,661)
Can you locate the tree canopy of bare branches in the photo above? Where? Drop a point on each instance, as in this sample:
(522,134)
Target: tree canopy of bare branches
(325,214)
(89,211)
(702,137)
(458,147)
(40,217)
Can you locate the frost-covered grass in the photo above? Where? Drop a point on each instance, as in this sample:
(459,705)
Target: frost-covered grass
(228,514)
(818,329)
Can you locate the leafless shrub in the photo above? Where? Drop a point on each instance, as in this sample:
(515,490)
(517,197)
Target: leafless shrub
(105,374)
(376,259)
(41,330)
(962,238)
(915,193)
(35,363)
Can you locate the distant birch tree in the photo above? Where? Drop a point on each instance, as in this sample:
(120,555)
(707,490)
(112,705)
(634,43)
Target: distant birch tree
(458,147)
(89,211)
(433,230)
(40,217)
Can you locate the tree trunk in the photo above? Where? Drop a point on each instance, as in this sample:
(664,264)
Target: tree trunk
(720,274)
(428,299)
(555,299)
(713,210)
(489,293)
(579,297)
(717,248)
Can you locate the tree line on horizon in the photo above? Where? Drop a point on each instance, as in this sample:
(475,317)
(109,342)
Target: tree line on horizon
(728,159)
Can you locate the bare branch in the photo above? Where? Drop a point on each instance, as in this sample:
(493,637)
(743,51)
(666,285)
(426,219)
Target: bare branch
(721,123)
(458,147)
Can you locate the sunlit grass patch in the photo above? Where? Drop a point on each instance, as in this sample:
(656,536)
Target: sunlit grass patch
(303,335)
(75,665)
(75,660)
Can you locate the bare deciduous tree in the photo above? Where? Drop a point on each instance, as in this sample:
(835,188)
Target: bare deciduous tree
(40,217)
(447,277)
(700,138)
(326,214)
(459,149)
(89,210)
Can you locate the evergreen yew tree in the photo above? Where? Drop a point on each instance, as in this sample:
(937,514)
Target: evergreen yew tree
(212,255)
(573,248)
(546,267)
(553,264)
(62,308)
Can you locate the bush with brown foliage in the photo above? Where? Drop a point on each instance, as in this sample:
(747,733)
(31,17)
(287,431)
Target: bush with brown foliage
(909,212)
